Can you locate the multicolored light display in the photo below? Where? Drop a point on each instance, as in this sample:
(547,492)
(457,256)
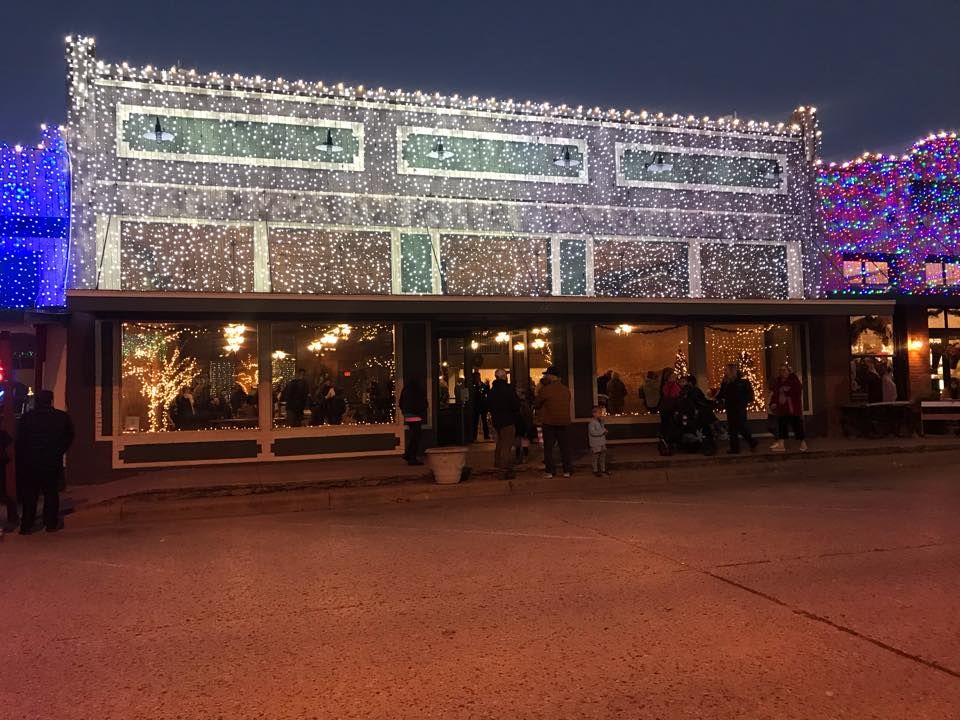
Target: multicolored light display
(892,223)
(34,222)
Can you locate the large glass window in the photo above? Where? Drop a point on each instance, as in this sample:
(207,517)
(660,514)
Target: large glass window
(942,272)
(868,272)
(758,350)
(630,361)
(332,373)
(188,377)
(871,358)
(944,326)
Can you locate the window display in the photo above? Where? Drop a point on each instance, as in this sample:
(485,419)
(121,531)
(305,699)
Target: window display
(871,358)
(332,373)
(757,350)
(630,361)
(188,377)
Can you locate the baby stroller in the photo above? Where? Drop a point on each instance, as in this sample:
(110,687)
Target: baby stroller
(688,428)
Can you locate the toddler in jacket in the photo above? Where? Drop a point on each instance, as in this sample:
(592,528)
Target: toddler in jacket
(597,431)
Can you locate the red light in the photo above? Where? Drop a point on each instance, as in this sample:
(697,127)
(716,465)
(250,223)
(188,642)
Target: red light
(346,373)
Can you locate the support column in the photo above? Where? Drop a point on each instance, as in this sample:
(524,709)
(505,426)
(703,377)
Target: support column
(794,272)
(55,367)
(693,268)
(910,323)
(6,382)
(261,258)
(264,385)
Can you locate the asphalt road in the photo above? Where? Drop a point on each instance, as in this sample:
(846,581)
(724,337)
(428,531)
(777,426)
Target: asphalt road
(826,590)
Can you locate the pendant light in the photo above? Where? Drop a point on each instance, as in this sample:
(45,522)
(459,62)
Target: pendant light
(566,160)
(658,165)
(329,146)
(158,134)
(773,174)
(438,152)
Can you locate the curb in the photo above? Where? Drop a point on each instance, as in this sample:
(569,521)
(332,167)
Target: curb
(258,498)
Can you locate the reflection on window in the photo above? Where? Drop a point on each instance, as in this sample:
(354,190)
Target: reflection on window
(757,351)
(332,373)
(942,272)
(188,377)
(866,272)
(871,358)
(630,362)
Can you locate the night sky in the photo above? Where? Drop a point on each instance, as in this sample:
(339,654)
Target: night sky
(882,73)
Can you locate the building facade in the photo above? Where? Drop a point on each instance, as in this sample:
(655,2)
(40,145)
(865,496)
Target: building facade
(893,231)
(228,231)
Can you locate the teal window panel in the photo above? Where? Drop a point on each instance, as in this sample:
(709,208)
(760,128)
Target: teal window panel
(652,166)
(416,263)
(232,138)
(491,155)
(573,266)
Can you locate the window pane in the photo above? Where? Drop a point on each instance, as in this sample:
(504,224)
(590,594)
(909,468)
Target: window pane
(192,258)
(625,268)
(876,272)
(330,262)
(934,272)
(347,373)
(757,350)
(188,377)
(630,360)
(416,263)
(871,335)
(952,270)
(573,267)
(871,378)
(935,319)
(953,319)
(504,266)
(852,272)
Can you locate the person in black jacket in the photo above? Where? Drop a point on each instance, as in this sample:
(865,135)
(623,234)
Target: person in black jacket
(296,394)
(13,516)
(43,436)
(413,405)
(736,394)
(504,408)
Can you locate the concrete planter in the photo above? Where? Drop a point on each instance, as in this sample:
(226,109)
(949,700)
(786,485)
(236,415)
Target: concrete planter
(447,463)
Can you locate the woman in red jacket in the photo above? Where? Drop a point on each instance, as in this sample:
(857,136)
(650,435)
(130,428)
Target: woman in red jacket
(787,405)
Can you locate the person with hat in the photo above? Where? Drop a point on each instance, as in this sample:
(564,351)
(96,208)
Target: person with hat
(43,437)
(553,407)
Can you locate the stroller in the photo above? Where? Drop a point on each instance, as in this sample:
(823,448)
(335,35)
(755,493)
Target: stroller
(688,427)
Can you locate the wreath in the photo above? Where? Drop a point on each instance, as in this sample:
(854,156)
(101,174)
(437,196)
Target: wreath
(878,324)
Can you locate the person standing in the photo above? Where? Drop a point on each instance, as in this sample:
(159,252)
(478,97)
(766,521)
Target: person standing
(413,405)
(787,405)
(889,387)
(10,503)
(504,408)
(616,394)
(669,398)
(296,394)
(736,394)
(603,384)
(43,437)
(553,404)
(183,412)
(597,437)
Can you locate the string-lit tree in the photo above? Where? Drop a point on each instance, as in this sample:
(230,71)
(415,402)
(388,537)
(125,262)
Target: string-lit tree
(154,359)
(748,367)
(680,366)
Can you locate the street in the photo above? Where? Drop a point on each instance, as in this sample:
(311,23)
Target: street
(822,589)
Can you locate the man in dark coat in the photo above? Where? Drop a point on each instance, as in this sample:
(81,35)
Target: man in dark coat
(43,436)
(296,394)
(504,408)
(413,405)
(736,394)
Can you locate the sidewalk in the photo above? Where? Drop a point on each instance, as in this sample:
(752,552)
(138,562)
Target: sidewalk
(232,489)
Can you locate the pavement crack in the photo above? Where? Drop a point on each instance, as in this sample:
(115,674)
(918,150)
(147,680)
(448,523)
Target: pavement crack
(933,665)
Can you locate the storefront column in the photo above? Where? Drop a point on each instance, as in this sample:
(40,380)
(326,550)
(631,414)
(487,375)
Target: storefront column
(913,320)
(55,364)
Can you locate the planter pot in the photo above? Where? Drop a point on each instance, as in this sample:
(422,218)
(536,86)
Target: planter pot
(447,463)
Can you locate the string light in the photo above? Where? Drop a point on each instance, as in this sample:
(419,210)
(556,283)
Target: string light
(245,192)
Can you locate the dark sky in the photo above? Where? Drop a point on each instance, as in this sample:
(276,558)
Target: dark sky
(881,72)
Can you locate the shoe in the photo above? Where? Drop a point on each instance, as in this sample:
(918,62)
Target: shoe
(26,531)
(597,473)
(548,476)
(753,446)
(606,472)
(803,446)
(778,446)
(566,474)
(56,528)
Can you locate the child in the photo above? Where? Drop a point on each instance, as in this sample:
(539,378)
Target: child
(597,431)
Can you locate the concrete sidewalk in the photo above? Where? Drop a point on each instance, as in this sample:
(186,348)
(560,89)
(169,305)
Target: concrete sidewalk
(233,490)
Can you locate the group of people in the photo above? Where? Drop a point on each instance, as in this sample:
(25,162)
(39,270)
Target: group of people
(874,378)
(198,407)
(328,404)
(42,437)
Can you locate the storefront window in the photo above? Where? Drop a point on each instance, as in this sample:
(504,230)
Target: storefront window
(944,326)
(630,361)
(942,272)
(188,377)
(333,374)
(871,358)
(869,272)
(758,350)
